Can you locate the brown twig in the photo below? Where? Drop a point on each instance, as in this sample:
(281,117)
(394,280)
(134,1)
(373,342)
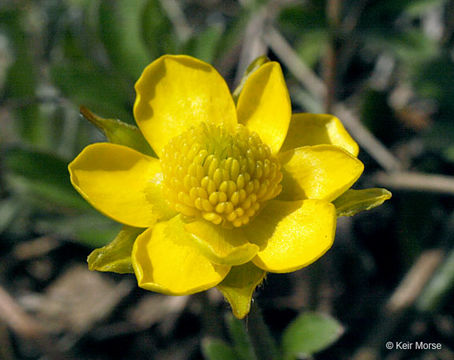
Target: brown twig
(252,46)
(293,62)
(177,18)
(414,281)
(440,184)
(312,82)
(367,140)
(6,347)
(395,177)
(26,326)
(400,303)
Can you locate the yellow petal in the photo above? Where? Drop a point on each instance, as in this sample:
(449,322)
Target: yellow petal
(120,182)
(221,245)
(176,92)
(252,67)
(239,285)
(315,129)
(264,105)
(293,234)
(164,263)
(318,172)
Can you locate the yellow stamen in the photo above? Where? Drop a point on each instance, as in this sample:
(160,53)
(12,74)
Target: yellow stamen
(220,176)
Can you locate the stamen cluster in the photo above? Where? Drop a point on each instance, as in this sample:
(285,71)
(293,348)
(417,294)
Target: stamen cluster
(221,176)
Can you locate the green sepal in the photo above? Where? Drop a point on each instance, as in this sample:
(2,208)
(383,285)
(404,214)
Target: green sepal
(119,132)
(310,333)
(254,65)
(239,285)
(116,256)
(354,201)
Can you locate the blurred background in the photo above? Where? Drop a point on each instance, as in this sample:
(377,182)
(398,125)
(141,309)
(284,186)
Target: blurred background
(385,68)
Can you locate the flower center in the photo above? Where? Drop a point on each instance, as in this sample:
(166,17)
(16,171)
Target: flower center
(220,176)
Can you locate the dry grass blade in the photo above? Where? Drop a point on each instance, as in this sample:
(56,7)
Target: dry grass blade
(315,85)
(27,327)
(440,184)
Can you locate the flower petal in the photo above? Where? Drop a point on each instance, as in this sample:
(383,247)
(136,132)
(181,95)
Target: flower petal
(252,67)
(176,92)
(264,105)
(222,245)
(318,172)
(315,129)
(293,234)
(165,263)
(239,285)
(120,182)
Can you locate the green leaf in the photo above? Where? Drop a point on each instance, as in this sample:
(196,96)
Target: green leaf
(22,80)
(448,153)
(41,175)
(121,33)
(240,338)
(412,47)
(119,132)
(10,208)
(414,43)
(215,349)
(311,45)
(254,65)
(204,45)
(434,80)
(86,83)
(354,201)
(157,30)
(91,228)
(310,333)
(239,286)
(116,256)
(299,19)
(418,8)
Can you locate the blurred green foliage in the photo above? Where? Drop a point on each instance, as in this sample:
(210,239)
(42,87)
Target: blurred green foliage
(306,335)
(394,66)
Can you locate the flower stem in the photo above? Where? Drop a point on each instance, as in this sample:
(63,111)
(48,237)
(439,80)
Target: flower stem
(264,345)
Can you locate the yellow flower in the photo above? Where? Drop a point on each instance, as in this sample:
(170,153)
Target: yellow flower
(235,191)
